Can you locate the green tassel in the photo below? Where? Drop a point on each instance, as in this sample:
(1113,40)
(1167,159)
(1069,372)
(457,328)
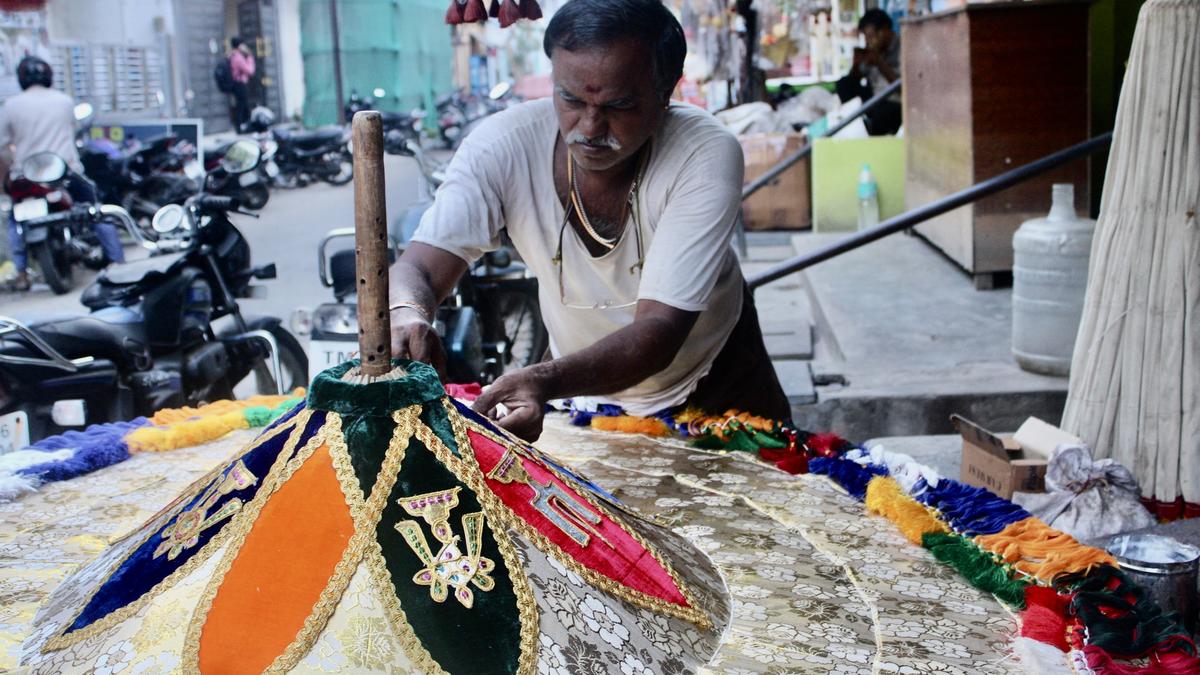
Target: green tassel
(261,415)
(765,440)
(740,440)
(982,569)
(708,441)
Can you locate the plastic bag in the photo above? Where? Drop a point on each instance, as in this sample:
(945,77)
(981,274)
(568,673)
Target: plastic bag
(1085,498)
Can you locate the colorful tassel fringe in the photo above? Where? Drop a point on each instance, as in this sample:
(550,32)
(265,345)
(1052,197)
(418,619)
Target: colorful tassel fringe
(914,520)
(1041,551)
(979,567)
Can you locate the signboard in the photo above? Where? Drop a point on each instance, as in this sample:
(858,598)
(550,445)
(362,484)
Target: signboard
(128,133)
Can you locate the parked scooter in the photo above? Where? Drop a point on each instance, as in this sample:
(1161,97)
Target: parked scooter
(490,323)
(409,125)
(302,156)
(58,232)
(150,341)
(250,188)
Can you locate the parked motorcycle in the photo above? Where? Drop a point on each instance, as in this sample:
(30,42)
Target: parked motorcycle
(409,125)
(58,232)
(151,340)
(459,113)
(142,178)
(490,323)
(250,188)
(302,156)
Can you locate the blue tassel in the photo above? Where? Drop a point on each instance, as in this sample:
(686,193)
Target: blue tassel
(971,511)
(96,447)
(852,476)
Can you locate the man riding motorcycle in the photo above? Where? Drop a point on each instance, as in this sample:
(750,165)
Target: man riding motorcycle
(41,119)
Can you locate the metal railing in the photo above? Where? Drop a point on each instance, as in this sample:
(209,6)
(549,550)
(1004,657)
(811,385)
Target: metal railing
(936,208)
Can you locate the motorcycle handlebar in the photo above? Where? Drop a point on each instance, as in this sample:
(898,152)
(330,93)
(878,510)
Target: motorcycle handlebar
(217,203)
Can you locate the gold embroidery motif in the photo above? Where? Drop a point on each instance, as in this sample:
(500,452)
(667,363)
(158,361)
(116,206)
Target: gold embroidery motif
(450,567)
(185,532)
(557,505)
(434,508)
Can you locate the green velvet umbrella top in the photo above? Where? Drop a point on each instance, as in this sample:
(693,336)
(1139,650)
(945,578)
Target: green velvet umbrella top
(331,393)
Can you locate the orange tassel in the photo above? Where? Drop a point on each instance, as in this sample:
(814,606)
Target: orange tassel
(1041,551)
(627,424)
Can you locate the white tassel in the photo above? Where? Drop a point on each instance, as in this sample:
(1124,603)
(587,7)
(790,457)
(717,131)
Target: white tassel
(12,487)
(1041,658)
(13,462)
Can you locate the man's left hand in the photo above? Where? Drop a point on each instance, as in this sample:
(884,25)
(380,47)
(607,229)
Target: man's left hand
(524,403)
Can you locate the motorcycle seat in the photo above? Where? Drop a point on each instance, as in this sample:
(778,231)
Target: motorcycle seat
(309,139)
(114,333)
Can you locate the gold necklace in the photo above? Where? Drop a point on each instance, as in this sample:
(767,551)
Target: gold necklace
(577,203)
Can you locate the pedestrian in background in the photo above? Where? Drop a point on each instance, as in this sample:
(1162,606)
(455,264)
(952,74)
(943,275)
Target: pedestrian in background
(241,67)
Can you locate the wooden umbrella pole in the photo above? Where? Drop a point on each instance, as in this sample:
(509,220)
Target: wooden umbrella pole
(371,245)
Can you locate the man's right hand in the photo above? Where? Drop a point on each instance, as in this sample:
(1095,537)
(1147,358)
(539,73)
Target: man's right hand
(413,337)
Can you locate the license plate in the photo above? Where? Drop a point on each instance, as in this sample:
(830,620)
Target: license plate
(324,354)
(272,169)
(14,431)
(29,209)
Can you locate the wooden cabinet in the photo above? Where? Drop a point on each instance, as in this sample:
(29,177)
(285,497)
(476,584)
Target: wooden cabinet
(987,88)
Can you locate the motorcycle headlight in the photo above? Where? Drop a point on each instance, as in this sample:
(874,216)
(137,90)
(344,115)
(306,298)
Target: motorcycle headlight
(168,219)
(335,319)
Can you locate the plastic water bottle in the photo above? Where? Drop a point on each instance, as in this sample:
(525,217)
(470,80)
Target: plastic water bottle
(868,199)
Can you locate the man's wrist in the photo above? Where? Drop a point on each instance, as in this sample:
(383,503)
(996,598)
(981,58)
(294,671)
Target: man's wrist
(411,307)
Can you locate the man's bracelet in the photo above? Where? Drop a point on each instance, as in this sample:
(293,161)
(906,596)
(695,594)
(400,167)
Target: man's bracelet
(405,304)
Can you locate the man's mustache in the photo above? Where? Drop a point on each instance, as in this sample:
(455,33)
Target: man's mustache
(605,141)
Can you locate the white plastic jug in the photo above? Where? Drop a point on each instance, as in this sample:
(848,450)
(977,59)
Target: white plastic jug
(1050,267)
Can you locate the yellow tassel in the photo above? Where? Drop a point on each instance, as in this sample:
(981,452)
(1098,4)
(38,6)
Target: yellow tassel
(914,519)
(1041,551)
(185,434)
(186,413)
(628,424)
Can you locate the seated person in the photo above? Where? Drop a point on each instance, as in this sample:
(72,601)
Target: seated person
(623,204)
(879,65)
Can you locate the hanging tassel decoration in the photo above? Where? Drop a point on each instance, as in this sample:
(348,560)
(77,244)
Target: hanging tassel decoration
(475,12)
(509,12)
(530,10)
(454,14)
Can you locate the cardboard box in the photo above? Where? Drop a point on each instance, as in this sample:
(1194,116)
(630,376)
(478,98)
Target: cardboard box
(1005,464)
(784,204)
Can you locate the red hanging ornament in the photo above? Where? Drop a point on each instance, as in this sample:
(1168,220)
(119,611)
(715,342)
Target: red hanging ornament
(475,12)
(454,14)
(530,10)
(509,13)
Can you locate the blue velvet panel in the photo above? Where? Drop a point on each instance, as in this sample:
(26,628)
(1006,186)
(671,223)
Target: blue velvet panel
(141,571)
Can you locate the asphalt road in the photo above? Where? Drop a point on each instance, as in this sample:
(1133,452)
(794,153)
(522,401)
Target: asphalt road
(287,233)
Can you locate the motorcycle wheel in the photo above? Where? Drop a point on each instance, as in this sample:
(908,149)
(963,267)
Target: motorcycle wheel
(523,329)
(55,264)
(344,173)
(254,197)
(292,361)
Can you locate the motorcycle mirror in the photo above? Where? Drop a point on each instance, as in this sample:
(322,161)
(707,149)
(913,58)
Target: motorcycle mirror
(83,111)
(168,219)
(394,143)
(241,157)
(499,91)
(378,92)
(44,167)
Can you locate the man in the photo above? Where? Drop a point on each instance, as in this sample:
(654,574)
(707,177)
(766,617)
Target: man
(241,68)
(623,205)
(879,65)
(41,119)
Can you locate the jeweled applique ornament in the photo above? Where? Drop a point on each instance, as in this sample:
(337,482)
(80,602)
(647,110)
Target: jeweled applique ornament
(369,507)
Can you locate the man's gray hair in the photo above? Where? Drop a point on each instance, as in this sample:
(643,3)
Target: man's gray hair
(586,24)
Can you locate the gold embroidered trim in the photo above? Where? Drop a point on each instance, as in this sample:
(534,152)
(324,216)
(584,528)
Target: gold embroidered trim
(406,422)
(501,519)
(62,640)
(185,532)
(692,613)
(242,523)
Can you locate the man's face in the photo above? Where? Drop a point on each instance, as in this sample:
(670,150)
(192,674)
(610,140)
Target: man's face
(877,39)
(605,100)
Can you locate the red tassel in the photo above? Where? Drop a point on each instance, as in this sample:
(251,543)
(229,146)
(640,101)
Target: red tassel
(530,10)
(454,13)
(509,13)
(1040,623)
(795,464)
(825,445)
(1046,597)
(475,12)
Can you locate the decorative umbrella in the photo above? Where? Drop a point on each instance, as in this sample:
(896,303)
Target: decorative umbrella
(383,526)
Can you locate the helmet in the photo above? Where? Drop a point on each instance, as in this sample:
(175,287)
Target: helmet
(33,70)
(261,118)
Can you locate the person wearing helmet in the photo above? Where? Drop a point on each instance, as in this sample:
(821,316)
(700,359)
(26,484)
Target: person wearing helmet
(42,119)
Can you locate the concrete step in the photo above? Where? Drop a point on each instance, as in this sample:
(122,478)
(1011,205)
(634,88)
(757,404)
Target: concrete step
(796,377)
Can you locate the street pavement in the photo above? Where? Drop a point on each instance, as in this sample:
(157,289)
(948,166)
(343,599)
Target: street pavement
(287,233)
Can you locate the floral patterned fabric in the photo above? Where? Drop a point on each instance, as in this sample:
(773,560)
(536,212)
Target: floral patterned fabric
(814,585)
